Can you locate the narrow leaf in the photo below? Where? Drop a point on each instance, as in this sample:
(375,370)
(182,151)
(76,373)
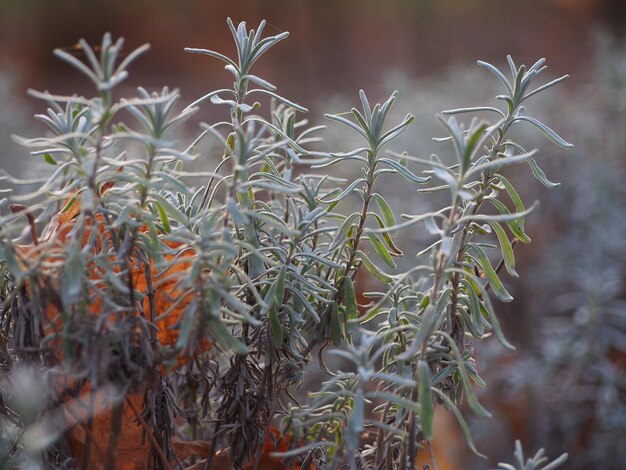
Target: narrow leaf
(517,200)
(498,74)
(335,325)
(385,210)
(494,280)
(373,269)
(427,407)
(276,328)
(164,218)
(381,250)
(514,225)
(342,233)
(49,159)
(540,175)
(506,248)
(349,298)
(403,170)
(549,133)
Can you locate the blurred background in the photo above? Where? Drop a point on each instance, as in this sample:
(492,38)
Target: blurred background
(565,387)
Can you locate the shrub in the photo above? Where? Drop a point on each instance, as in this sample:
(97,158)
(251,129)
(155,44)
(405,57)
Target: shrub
(157,319)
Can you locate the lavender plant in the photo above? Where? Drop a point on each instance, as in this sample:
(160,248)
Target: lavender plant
(197,300)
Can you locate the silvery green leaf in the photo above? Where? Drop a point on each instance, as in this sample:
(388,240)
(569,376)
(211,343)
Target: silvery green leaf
(426,403)
(446,246)
(556,463)
(456,135)
(339,159)
(514,225)
(297,293)
(381,250)
(538,66)
(499,162)
(347,122)
(349,297)
(395,131)
(473,374)
(473,110)
(345,227)
(385,210)
(474,307)
(396,379)
(373,269)
(366,107)
(474,143)
(70,59)
(259,81)
(506,248)
(217,55)
(549,133)
(517,200)
(73,275)
(403,170)
(355,425)
(494,280)
(269,298)
(379,113)
(280,285)
(238,216)
(430,317)
(546,86)
(521,72)
(215,99)
(446,177)
(498,74)
(319,259)
(291,104)
(362,122)
(466,195)
(540,175)
(186,326)
(393,249)
(244,108)
(431,226)
(485,306)
(505,216)
(514,70)
(208,96)
(396,400)
(442,374)
(276,327)
(349,190)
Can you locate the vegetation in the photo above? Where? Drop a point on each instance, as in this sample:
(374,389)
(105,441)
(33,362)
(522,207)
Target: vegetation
(159,317)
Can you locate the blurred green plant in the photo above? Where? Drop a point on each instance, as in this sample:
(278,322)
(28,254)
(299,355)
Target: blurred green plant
(534,463)
(210,300)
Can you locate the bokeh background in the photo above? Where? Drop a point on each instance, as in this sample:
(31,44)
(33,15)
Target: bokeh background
(565,387)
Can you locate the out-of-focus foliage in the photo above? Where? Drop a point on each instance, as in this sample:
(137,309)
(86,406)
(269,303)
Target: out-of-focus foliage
(534,463)
(177,313)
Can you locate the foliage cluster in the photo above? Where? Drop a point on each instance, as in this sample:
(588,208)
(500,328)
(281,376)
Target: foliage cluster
(208,301)
(569,385)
